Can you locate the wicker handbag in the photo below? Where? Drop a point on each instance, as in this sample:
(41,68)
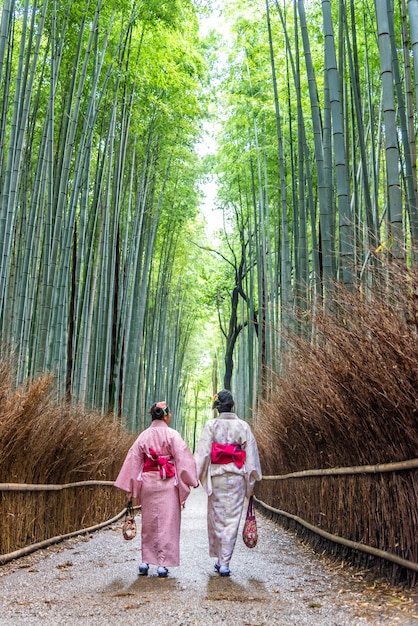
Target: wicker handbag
(249,532)
(129,525)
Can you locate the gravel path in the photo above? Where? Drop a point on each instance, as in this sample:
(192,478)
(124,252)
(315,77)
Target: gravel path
(280,582)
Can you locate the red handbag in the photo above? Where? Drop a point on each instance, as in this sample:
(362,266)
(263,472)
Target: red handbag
(250,532)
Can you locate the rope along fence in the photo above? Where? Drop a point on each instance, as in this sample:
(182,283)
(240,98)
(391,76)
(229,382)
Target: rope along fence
(403,466)
(81,483)
(344,542)
(338,471)
(23,487)
(17,554)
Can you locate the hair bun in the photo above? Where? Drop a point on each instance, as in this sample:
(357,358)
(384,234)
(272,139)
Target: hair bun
(159,410)
(223,401)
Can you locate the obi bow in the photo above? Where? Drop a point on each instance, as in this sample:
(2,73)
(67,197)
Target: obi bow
(228,453)
(163,464)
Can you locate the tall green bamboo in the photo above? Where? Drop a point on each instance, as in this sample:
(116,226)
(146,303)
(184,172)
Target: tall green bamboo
(286,295)
(346,252)
(407,170)
(88,96)
(395,225)
(326,232)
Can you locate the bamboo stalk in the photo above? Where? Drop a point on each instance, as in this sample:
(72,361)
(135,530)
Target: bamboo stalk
(339,471)
(333,471)
(342,541)
(25,487)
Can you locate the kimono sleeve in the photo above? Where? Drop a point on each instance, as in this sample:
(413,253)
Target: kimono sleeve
(185,467)
(130,471)
(252,462)
(203,457)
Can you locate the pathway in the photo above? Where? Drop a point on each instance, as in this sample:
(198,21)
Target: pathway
(94,580)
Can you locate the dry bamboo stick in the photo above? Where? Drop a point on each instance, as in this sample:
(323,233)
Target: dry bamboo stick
(332,471)
(25,487)
(388,556)
(17,554)
(338,471)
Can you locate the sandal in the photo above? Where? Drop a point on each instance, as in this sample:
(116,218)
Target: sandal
(224,571)
(162,572)
(143,569)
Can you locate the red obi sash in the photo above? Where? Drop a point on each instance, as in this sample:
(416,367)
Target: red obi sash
(162,464)
(228,453)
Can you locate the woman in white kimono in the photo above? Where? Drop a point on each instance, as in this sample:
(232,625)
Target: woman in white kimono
(158,472)
(228,466)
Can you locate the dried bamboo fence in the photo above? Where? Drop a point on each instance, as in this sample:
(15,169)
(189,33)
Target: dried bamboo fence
(366,515)
(17,554)
(35,515)
(384,535)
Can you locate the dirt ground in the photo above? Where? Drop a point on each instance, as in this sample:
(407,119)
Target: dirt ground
(94,580)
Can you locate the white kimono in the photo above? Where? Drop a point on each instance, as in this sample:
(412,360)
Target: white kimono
(226,484)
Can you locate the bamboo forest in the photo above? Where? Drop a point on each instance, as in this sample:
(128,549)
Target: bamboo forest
(198,195)
(110,278)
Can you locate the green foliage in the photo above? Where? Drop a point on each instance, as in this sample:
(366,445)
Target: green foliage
(102,106)
(108,176)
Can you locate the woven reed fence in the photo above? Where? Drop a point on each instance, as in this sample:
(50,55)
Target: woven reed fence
(34,515)
(381,533)
(311,502)
(59,461)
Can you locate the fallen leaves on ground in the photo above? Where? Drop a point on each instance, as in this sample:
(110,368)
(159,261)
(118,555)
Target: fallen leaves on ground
(64,565)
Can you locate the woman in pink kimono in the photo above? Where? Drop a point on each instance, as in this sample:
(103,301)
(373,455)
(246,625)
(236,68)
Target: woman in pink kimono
(228,466)
(158,472)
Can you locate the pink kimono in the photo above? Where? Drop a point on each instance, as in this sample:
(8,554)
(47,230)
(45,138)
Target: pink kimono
(160,494)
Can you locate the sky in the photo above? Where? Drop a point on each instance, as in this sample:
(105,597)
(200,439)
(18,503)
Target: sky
(212,215)
(208,188)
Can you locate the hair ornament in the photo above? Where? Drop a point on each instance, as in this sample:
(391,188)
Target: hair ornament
(163,406)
